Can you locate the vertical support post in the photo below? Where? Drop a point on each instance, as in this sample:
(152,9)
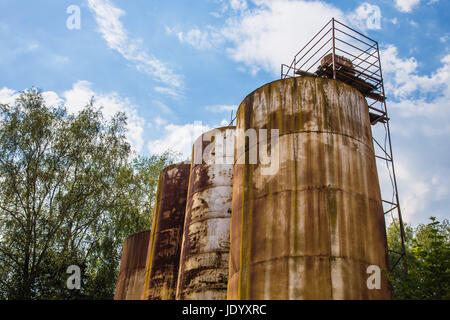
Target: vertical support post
(295,64)
(334,49)
(397,199)
(400,219)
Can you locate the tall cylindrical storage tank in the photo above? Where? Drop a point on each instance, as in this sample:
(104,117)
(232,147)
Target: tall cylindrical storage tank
(203,273)
(166,235)
(312,228)
(132,267)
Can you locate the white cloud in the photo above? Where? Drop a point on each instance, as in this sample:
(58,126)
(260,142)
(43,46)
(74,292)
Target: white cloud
(51,98)
(267,35)
(420,188)
(162,107)
(167,91)
(404,78)
(230,5)
(80,95)
(409,5)
(222,108)
(406,5)
(271,34)
(415,190)
(7,96)
(413,23)
(178,138)
(201,40)
(160,121)
(238,5)
(107,17)
(420,111)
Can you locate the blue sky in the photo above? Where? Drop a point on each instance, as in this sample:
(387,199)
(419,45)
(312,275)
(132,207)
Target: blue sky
(178,68)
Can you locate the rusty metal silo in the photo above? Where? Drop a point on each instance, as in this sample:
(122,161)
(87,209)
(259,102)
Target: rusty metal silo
(204,261)
(311,229)
(132,267)
(166,235)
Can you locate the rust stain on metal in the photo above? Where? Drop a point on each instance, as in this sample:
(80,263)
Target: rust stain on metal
(204,260)
(166,236)
(132,267)
(311,230)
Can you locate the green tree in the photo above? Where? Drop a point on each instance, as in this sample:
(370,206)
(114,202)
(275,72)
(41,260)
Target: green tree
(132,213)
(69,195)
(427,258)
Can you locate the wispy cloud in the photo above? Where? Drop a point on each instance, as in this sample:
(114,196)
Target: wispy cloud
(221,108)
(167,91)
(76,98)
(178,138)
(265,35)
(116,36)
(406,5)
(405,79)
(162,107)
(81,93)
(419,106)
(200,39)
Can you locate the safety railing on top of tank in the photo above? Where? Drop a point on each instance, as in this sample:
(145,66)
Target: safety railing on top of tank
(340,52)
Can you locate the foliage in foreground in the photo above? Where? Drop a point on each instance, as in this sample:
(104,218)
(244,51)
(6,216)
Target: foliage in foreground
(427,261)
(69,195)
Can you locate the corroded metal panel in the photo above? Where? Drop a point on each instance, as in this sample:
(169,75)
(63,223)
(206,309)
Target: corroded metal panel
(206,242)
(132,267)
(166,236)
(310,230)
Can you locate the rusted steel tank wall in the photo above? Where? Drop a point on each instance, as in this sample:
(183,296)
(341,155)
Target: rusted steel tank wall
(132,267)
(206,242)
(166,236)
(311,230)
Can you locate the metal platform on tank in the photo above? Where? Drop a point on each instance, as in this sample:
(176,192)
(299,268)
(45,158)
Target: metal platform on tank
(342,53)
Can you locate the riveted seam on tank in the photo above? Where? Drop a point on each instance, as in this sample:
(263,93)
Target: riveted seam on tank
(321,188)
(370,146)
(320,256)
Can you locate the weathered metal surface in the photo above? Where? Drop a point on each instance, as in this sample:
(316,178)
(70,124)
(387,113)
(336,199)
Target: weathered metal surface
(206,242)
(132,267)
(311,230)
(166,236)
